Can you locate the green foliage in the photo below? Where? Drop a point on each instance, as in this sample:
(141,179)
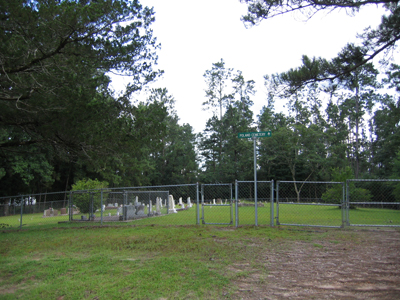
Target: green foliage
(85,201)
(58,115)
(335,194)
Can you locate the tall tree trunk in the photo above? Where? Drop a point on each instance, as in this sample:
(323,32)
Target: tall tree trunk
(357,129)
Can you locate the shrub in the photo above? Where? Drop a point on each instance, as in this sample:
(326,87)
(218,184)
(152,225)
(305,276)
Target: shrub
(335,194)
(83,200)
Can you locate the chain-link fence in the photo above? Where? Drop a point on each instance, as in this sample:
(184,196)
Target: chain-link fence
(217,204)
(34,210)
(308,203)
(330,204)
(250,213)
(373,202)
(172,205)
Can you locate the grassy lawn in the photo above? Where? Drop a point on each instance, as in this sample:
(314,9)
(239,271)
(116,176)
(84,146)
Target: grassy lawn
(134,262)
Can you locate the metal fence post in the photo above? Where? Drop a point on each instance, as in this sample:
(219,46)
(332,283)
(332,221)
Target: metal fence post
(255,184)
(202,203)
(236,204)
(101,206)
(198,205)
(272,203)
(70,207)
(347,207)
(343,206)
(22,210)
(277,202)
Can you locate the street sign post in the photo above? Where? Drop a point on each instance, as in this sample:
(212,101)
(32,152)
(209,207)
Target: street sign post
(254,136)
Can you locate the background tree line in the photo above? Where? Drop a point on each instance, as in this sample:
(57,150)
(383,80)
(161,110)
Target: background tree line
(60,121)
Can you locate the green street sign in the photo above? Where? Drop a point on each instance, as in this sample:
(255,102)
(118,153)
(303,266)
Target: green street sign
(249,135)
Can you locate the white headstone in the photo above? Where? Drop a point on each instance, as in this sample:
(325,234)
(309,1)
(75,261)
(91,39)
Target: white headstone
(119,211)
(171,204)
(213,201)
(150,210)
(158,206)
(116,204)
(189,203)
(180,201)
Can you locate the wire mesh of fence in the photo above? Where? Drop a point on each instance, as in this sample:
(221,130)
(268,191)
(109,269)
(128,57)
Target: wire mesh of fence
(34,210)
(298,203)
(308,203)
(217,204)
(248,213)
(373,202)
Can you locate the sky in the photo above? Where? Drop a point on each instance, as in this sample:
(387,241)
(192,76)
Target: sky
(195,34)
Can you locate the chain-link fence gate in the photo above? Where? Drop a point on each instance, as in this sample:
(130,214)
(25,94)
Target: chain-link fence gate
(217,204)
(248,212)
(373,202)
(308,203)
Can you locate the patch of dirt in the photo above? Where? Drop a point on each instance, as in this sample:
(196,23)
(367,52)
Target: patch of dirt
(364,265)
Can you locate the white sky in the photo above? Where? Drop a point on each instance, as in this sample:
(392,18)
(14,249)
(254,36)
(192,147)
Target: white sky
(196,34)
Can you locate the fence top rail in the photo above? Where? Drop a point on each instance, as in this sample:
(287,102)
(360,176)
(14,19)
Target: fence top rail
(252,181)
(153,186)
(98,190)
(216,184)
(324,182)
(35,195)
(143,192)
(372,180)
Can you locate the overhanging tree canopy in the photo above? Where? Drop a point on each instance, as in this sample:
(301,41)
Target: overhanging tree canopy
(375,40)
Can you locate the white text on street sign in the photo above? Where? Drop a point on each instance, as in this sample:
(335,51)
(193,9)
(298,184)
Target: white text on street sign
(249,135)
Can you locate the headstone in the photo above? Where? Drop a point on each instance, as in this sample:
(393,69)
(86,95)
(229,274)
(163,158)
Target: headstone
(214,201)
(189,203)
(116,205)
(140,210)
(110,205)
(47,212)
(158,206)
(150,208)
(180,201)
(136,199)
(171,204)
(129,212)
(160,200)
(63,211)
(103,207)
(219,201)
(83,218)
(55,213)
(226,201)
(109,214)
(119,211)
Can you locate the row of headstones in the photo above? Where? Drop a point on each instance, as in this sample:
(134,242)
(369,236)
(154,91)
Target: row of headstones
(180,203)
(52,212)
(219,202)
(138,209)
